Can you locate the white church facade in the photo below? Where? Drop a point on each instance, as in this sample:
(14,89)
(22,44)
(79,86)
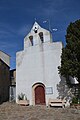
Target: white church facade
(37,66)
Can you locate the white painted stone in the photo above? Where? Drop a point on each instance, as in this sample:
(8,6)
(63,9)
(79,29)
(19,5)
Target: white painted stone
(38,63)
(73,80)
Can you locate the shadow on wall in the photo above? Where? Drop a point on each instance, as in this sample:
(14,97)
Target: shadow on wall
(64,91)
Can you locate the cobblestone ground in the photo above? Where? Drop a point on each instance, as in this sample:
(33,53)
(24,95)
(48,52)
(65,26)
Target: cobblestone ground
(12,111)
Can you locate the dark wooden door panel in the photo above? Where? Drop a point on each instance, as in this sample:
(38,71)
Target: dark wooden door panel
(39,95)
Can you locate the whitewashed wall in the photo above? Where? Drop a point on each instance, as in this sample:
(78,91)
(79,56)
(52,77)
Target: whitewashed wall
(5,57)
(38,63)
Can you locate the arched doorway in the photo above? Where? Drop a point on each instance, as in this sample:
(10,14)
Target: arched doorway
(39,95)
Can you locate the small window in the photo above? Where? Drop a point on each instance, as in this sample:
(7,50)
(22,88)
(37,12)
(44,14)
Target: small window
(31,40)
(41,36)
(35,30)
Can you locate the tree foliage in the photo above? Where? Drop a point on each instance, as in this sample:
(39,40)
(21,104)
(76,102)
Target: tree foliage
(70,59)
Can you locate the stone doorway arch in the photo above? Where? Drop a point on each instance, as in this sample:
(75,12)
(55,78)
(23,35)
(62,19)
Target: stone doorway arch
(38,95)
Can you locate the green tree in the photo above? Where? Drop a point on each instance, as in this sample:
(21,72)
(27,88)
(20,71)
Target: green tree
(70,58)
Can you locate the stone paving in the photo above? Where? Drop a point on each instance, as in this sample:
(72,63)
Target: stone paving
(12,111)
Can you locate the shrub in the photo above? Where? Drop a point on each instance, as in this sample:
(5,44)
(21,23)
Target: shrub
(75,100)
(22,97)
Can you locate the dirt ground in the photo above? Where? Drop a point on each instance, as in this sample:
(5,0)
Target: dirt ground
(12,111)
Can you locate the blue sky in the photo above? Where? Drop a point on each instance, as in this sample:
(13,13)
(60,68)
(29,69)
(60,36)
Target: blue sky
(18,16)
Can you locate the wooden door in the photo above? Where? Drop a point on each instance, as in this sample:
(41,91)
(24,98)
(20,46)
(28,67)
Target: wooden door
(39,95)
